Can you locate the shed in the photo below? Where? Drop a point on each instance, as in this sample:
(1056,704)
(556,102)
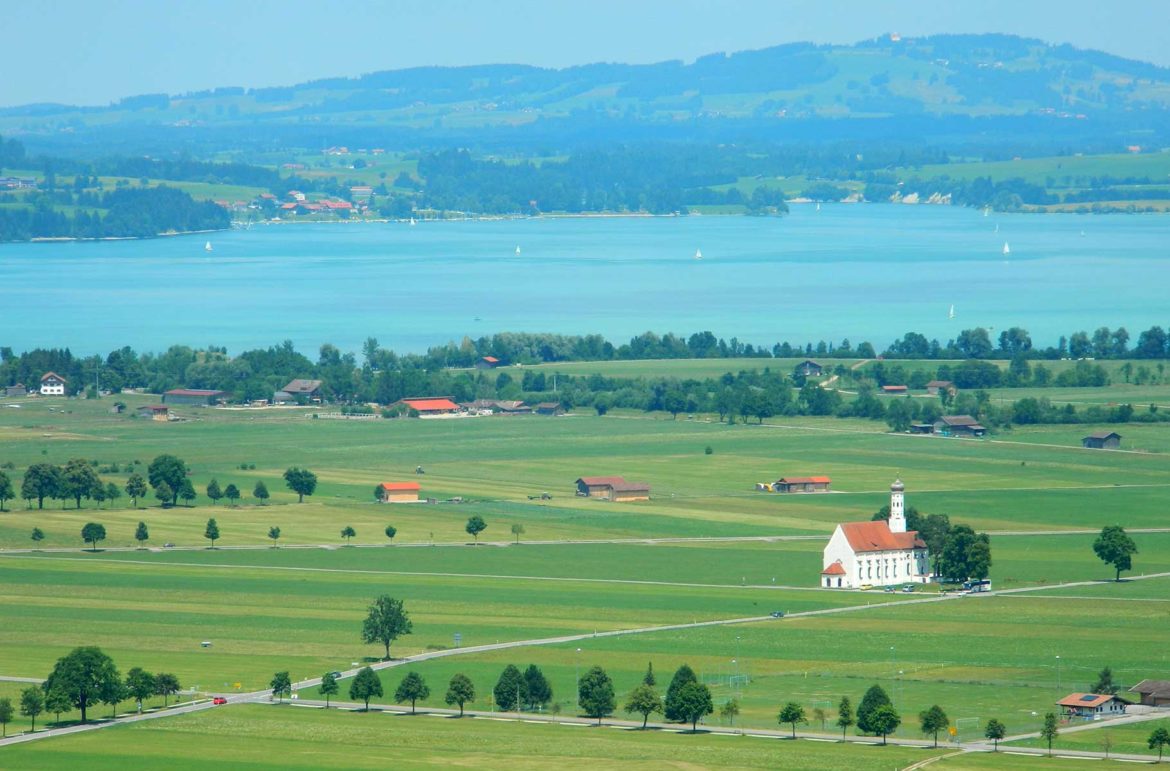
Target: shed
(400,492)
(612,489)
(16,390)
(159,412)
(549,408)
(818,484)
(198,396)
(1102,440)
(935,387)
(1153,693)
(894,389)
(487,362)
(958,425)
(1092,705)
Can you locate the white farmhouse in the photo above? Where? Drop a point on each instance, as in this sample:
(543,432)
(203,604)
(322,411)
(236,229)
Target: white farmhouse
(52,384)
(876,553)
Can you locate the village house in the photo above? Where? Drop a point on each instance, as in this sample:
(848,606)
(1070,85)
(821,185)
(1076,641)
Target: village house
(935,387)
(157,412)
(52,384)
(428,406)
(958,425)
(613,489)
(810,368)
(818,484)
(876,553)
(894,389)
(1102,440)
(399,492)
(549,408)
(16,390)
(1091,705)
(1153,693)
(308,390)
(202,397)
(487,362)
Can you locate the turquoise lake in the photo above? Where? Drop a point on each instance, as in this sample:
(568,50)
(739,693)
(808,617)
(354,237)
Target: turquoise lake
(862,272)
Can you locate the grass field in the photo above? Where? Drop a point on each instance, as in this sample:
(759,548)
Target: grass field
(1132,739)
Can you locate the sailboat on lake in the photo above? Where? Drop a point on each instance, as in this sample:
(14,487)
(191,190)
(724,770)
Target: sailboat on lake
(1006,249)
(517,251)
(698,254)
(951,313)
(207,247)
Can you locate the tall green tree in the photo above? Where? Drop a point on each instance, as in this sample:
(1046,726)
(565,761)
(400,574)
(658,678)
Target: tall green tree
(517,530)
(460,691)
(1159,740)
(965,555)
(792,713)
(475,525)
(538,689)
(82,675)
(6,491)
(365,686)
(166,685)
(1115,547)
(187,492)
(412,688)
(164,494)
(875,697)
(1105,684)
(135,488)
(511,689)
(214,493)
(348,532)
(1050,730)
(274,534)
(6,715)
(683,675)
(595,693)
(995,731)
(112,694)
(57,701)
(845,717)
(301,481)
(281,685)
(391,531)
(644,700)
(170,470)
(260,492)
(93,532)
(140,685)
(648,678)
(141,534)
(328,687)
(885,720)
(113,493)
(933,720)
(41,481)
(232,493)
(79,480)
(386,621)
(211,533)
(693,701)
(729,711)
(32,703)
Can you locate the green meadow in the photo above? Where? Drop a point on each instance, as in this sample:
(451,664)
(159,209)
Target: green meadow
(1130,739)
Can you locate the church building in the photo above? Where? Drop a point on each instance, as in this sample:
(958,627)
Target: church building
(877,553)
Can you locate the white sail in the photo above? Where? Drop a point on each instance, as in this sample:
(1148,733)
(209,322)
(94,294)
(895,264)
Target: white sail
(1006,249)
(207,247)
(951,314)
(698,254)
(412,220)
(517,251)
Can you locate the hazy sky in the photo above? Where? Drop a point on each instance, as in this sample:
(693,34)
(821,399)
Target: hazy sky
(92,52)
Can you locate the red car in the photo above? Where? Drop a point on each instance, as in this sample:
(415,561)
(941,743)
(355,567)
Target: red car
(219,700)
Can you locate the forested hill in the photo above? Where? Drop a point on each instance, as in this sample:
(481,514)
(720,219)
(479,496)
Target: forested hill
(936,83)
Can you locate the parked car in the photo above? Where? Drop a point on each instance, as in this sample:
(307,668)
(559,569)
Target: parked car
(219,700)
(335,674)
(908,588)
(777,614)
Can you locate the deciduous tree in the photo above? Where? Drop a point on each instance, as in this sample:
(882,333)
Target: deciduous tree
(170,470)
(412,688)
(792,713)
(595,694)
(301,481)
(79,480)
(6,715)
(211,533)
(1050,730)
(845,717)
(1115,547)
(885,720)
(164,494)
(539,692)
(281,685)
(460,691)
(41,481)
(141,534)
(92,533)
(57,701)
(511,689)
(274,534)
(214,493)
(328,687)
(348,532)
(475,525)
(6,491)
(729,711)
(140,685)
(517,530)
(682,676)
(166,685)
(995,731)
(933,720)
(875,697)
(32,703)
(82,675)
(386,621)
(135,488)
(391,531)
(644,700)
(260,492)
(232,493)
(187,491)
(693,701)
(1159,740)
(38,535)
(366,686)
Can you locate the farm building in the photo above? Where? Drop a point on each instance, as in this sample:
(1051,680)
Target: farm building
(935,387)
(810,368)
(1091,705)
(198,396)
(877,553)
(958,425)
(487,362)
(16,390)
(399,492)
(52,384)
(549,408)
(159,412)
(802,485)
(613,489)
(894,389)
(428,406)
(307,390)
(1153,693)
(1102,440)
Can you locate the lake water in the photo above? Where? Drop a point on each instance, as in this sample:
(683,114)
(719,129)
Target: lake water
(862,272)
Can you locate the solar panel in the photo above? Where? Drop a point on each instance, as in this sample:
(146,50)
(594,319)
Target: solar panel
(1089,697)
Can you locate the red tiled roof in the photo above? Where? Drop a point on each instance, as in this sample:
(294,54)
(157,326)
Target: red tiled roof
(1089,700)
(876,536)
(893,388)
(430,405)
(491,359)
(834,570)
(596,481)
(48,375)
(401,487)
(804,480)
(631,487)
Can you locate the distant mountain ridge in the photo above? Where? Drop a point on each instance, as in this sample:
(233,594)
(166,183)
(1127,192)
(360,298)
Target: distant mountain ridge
(941,77)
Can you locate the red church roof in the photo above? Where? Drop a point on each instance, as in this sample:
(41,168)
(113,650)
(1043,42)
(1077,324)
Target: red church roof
(835,569)
(876,536)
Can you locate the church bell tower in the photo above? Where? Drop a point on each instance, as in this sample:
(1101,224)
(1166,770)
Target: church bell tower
(897,507)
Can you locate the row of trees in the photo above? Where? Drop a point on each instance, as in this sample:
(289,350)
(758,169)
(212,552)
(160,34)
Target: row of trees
(168,475)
